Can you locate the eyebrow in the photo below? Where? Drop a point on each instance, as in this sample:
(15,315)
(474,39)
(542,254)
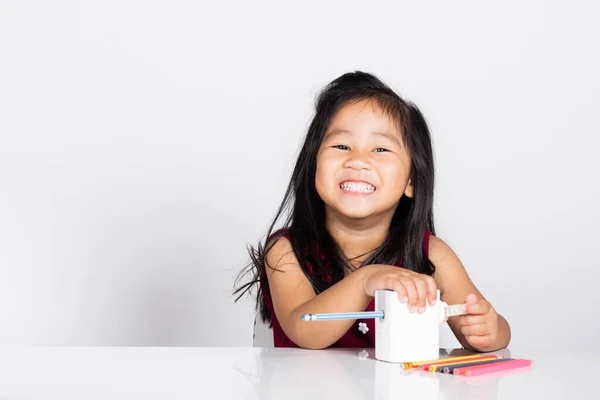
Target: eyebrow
(388,135)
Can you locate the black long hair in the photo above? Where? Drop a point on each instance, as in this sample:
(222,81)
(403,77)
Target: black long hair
(305,221)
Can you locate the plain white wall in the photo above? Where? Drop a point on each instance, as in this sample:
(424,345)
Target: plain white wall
(144,144)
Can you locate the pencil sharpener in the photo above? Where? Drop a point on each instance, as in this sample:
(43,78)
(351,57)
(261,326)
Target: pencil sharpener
(402,336)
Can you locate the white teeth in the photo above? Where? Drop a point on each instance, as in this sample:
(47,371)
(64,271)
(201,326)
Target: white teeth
(359,187)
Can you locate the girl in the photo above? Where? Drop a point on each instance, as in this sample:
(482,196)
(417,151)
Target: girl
(361,220)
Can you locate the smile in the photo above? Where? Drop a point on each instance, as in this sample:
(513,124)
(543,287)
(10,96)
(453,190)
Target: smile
(357,187)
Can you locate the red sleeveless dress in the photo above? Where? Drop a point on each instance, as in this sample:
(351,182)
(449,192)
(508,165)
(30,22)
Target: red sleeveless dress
(353,338)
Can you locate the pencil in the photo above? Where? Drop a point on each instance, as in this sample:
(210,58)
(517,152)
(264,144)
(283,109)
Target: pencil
(484,369)
(449,369)
(435,367)
(409,365)
(345,315)
(443,361)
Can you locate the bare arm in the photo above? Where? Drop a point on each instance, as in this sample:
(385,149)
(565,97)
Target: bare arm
(293,295)
(485,328)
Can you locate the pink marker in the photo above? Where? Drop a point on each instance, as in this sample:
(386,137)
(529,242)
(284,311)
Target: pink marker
(488,368)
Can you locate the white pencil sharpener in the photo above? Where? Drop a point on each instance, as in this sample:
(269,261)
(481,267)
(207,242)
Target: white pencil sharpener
(402,336)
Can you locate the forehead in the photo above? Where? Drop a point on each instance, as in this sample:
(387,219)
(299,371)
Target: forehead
(364,115)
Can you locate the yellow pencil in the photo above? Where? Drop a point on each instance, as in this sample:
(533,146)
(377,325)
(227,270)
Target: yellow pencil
(409,365)
(434,368)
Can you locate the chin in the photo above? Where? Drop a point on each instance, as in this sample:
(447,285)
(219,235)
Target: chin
(353,213)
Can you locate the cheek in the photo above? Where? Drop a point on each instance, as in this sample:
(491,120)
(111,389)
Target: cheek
(324,177)
(320,176)
(395,177)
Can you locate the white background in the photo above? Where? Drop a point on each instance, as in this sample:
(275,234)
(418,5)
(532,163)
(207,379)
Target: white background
(144,144)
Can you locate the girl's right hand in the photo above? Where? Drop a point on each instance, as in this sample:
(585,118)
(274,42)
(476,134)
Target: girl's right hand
(412,288)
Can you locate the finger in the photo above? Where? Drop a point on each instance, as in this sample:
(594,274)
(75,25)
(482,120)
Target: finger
(475,330)
(465,320)
(481,307)
(411,290)
(471,299)
(421,294)
(431,290)
(397,287)
(479,341)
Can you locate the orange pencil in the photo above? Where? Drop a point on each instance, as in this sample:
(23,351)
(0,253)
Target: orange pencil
(425,366)
(434,367)
(409,365)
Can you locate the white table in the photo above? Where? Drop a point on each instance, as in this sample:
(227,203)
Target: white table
(257,373)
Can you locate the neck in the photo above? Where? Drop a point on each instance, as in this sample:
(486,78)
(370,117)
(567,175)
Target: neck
(358,238)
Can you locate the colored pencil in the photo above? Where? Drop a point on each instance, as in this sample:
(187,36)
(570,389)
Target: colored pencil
(435,367)
(493,376)
(409,365)
(444,361)
(485,369)
(340,316)
(449,369)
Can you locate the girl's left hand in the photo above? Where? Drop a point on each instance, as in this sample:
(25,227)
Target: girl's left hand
(480,324)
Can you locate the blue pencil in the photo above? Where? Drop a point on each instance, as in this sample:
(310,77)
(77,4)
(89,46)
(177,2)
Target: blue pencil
(339,316)
(449,369)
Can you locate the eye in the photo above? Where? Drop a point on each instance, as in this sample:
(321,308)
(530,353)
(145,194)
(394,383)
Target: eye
(341,147)
(380,150)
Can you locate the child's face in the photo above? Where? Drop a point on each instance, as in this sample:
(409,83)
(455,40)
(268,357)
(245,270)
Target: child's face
(363,167)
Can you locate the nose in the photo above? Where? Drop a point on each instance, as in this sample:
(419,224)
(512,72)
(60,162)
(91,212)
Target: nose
(357,161)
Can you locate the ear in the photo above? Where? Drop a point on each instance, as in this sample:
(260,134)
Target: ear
(410,190)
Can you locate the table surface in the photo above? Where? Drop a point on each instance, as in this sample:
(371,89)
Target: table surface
(263,373)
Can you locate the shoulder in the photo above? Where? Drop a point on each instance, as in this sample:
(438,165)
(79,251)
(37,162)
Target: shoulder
(438,249)
(443,256)
(278,241)
(283,232)
(279,252)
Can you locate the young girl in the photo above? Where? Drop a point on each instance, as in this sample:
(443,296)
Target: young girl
(361,220)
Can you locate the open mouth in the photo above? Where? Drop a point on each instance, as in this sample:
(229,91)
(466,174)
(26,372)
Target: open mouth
(357,187)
